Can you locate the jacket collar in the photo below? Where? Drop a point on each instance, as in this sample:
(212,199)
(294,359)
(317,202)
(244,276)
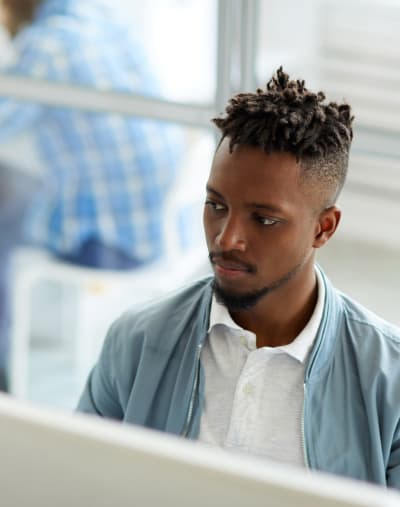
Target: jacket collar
(328,330)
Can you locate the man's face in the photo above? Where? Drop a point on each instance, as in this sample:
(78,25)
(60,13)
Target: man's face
(259,221)
(5,18)
(3,14)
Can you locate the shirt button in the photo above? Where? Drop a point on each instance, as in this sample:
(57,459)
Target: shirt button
(248,389)
(243,340)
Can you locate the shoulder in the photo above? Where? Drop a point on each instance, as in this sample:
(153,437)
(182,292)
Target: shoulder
(50,37)
(42,52)
(356,322)
(365,323)
(356,337)
(41,36)
(370,344)
(168,317)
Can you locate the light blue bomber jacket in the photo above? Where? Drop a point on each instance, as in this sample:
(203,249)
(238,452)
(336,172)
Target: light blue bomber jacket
(149,373)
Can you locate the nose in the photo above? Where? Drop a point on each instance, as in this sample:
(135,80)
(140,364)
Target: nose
(232,235)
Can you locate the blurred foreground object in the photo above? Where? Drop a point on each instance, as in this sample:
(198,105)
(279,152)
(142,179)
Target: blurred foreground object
(92,462)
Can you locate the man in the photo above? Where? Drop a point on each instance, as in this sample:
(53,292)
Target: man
(106,178)
(265,357)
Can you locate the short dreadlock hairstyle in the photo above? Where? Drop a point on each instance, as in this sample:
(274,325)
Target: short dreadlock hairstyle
(287,117)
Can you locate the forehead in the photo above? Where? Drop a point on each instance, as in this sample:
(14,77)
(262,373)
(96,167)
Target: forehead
(255,176)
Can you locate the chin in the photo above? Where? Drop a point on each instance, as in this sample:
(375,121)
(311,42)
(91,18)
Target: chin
(238,300)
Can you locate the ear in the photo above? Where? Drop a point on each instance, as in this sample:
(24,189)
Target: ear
(326,226)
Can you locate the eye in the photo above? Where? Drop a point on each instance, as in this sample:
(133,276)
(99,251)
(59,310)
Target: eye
(215,206)
(265,220)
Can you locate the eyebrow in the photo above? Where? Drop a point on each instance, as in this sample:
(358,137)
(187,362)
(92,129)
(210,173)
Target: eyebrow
(267,207)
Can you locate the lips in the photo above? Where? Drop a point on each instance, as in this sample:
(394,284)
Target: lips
(228,267)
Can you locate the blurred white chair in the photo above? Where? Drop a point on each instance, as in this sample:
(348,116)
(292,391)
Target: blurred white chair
(102,295)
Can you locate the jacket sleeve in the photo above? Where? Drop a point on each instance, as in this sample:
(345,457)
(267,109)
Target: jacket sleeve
(100,395)
(393,468)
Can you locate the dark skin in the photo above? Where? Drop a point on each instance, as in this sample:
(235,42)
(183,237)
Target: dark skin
(264,223)
(15,15)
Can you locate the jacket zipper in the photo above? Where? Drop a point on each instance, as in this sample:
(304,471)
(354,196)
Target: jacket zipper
(303,437)
(188,422)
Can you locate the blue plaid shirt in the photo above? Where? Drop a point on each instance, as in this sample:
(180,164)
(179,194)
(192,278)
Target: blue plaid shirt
(107,176)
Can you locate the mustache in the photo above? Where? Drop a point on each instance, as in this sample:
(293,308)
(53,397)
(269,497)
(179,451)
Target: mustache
(231,257)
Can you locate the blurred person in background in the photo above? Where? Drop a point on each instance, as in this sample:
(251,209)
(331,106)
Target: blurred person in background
(105,177)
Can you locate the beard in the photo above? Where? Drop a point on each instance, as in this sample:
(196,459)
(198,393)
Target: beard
(235,302)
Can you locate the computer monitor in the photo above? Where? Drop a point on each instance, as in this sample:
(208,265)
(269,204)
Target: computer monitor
(69,460)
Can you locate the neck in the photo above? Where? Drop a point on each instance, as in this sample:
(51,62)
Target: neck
(281,315)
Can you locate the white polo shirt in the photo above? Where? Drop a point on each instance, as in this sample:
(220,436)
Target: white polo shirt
(254,397)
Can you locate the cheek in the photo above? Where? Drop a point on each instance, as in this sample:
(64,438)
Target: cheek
(208,227)
(286,246)
(206,221)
